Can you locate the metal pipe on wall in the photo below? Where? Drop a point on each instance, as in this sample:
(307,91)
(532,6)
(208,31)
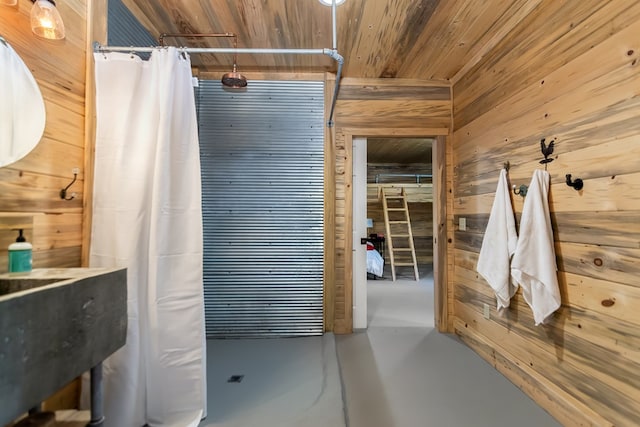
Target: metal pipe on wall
(334,5)
(97,397)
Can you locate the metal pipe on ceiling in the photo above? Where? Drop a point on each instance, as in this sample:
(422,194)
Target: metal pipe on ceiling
(194,35)
(230,50)
(333,53)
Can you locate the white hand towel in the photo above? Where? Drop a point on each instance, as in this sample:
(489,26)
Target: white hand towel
(499,243)
(534,263)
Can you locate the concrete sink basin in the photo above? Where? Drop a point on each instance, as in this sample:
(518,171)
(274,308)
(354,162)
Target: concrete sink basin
(56,324)
(18,283)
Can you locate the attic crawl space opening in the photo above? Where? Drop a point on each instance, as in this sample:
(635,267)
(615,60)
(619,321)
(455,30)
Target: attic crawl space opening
(262,162)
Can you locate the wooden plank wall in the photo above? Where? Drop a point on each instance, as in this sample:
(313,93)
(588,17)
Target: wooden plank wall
(31,186)
(443,233)
(569,71)
(375,107)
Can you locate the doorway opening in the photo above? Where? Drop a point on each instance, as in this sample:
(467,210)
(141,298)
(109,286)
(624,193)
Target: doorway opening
(388,170)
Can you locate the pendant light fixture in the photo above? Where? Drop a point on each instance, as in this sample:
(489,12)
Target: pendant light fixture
(46,21)
(330,2)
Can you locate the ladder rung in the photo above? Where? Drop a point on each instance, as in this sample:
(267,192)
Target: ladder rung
(404,264)
(400,235)
(402,249)
(397,209)
(387,196)
(397,222)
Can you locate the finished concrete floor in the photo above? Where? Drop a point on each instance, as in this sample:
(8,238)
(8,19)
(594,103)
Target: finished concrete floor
(399,372)
(287,382)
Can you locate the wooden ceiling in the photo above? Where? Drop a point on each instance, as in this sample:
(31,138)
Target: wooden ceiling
(399,150)
(416,39)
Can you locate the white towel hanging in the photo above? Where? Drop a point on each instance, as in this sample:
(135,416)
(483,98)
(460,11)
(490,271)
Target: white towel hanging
(499,244)
(534,263)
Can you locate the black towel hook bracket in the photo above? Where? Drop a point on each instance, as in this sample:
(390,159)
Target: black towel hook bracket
(63,192)
(577,184)
(522,190)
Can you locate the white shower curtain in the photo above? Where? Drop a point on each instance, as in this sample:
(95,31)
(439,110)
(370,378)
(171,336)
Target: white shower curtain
(147,217)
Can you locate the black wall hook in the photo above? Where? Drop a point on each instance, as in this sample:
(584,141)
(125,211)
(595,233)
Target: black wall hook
(63,192)
(522,190)
(577,183)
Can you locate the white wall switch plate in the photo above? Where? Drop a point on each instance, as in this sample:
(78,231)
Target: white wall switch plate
(486,311)
(462,224)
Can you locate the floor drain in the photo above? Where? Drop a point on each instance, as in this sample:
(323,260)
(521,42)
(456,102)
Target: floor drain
(235,378)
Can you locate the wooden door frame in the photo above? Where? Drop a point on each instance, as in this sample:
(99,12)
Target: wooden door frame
(439,220)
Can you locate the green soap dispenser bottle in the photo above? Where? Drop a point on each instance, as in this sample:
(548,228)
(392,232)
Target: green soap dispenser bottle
(20,255)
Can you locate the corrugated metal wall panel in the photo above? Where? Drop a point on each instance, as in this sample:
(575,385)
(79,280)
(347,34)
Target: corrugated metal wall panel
(263,193)
(125,30)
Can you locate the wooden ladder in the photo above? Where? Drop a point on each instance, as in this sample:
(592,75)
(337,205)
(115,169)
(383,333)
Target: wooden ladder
(399,234)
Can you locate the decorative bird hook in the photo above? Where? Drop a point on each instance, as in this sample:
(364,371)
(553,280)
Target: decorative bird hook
(547,150)
(577,184)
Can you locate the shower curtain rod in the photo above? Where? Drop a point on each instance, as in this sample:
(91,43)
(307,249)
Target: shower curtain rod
(324,51)
(333,53)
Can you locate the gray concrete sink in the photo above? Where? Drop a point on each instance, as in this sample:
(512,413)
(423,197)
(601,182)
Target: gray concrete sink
(18,283)
(56,324)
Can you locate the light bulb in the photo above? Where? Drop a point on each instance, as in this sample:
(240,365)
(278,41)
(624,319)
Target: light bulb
(330,2)
(46,21)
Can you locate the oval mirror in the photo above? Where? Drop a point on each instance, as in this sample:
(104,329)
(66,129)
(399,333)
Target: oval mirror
(22,114)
